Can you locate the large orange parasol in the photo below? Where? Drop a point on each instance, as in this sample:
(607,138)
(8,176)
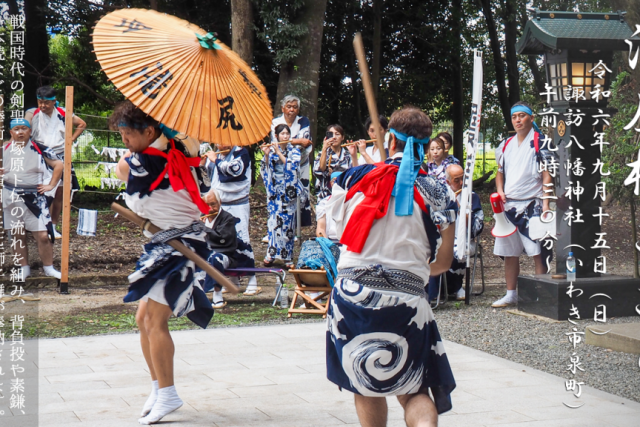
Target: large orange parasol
(183,77)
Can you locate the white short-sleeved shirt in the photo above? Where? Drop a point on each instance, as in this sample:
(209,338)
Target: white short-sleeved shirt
(519,166)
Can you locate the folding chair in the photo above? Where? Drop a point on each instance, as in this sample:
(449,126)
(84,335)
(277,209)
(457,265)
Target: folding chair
(476,252)
(442,283)
(310,281)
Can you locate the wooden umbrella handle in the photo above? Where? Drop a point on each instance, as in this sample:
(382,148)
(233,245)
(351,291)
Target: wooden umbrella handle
(179,246)
(358,46)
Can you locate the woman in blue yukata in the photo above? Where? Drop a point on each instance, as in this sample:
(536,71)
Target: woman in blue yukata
(164,184)
(280,175)
(333,158)
(438,160)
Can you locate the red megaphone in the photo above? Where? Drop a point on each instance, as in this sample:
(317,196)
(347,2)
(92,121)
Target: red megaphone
(503,227)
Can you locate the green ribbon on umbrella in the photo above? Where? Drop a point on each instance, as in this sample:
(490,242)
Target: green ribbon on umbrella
(208,41)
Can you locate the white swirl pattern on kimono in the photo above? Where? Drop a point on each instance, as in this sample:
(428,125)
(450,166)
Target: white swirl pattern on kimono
(380,357)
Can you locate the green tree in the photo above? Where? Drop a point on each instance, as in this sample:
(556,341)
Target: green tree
(623,149)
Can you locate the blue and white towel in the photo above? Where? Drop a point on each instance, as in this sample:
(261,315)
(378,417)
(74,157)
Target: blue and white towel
(87,222)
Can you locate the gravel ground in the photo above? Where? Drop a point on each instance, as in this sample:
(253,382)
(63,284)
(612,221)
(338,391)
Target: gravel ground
(540,344)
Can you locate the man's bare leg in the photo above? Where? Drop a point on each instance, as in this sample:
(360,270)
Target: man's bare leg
(372,411)
(45,247)
(20,248)
(419,410)
(540,267)
(146,352)
(511,271)
(56,206)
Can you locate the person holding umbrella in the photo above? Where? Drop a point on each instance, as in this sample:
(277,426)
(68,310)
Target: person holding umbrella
(164,282)
(196,86)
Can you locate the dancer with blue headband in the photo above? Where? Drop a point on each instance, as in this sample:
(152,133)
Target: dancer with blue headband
(520,185)
(48,128)
(31,176)
(392,220)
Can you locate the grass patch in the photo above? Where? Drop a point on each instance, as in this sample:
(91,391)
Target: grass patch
(121,319)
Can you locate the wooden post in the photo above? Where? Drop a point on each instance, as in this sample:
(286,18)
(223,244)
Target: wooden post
(66,191)
(368,93)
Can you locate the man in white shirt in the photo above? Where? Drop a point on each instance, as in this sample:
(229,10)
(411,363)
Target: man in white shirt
(520,186)
(382,338)
(48,125)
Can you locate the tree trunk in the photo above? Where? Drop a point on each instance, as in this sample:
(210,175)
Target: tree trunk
(510,39)
(632,7)
(300,76)
(634,234)
(498,62)
(36,58)
(13,7)
(538,76)
(356,94)
(377,52)
(242,29)
(457,92)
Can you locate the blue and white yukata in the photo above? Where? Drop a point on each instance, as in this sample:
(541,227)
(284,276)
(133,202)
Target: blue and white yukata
(382,338)
(336,162)
(301,128)
(283,188)
(524,190)
(231,177)
(162,273)
(438,172)
(26,169)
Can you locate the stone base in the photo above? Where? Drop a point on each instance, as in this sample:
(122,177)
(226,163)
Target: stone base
(544,296)
(623,337)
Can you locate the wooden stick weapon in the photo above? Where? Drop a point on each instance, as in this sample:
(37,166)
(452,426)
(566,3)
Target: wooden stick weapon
(179,246)
(358,46)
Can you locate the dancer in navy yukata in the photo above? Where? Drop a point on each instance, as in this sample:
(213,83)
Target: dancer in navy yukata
(382,338)
(165,282)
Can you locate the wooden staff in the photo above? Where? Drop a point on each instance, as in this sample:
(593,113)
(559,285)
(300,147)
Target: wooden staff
(179,246)
(66,191)
(368,93)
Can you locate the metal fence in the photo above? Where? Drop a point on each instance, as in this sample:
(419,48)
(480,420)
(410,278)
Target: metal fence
(95,154)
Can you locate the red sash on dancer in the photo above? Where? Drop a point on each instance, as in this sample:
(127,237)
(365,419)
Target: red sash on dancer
(376,186)
(179,169)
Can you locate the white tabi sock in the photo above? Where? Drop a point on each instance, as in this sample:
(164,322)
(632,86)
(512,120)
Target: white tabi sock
(151,400)
(51,272)
(26,271)
(512,294)
(217,297)
(168,401)
(253,284)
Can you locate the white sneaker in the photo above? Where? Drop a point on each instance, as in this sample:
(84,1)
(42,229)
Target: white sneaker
(505,301)
(265,239)
(460,294)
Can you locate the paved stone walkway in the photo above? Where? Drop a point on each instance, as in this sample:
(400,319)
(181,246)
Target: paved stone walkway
(275,376)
